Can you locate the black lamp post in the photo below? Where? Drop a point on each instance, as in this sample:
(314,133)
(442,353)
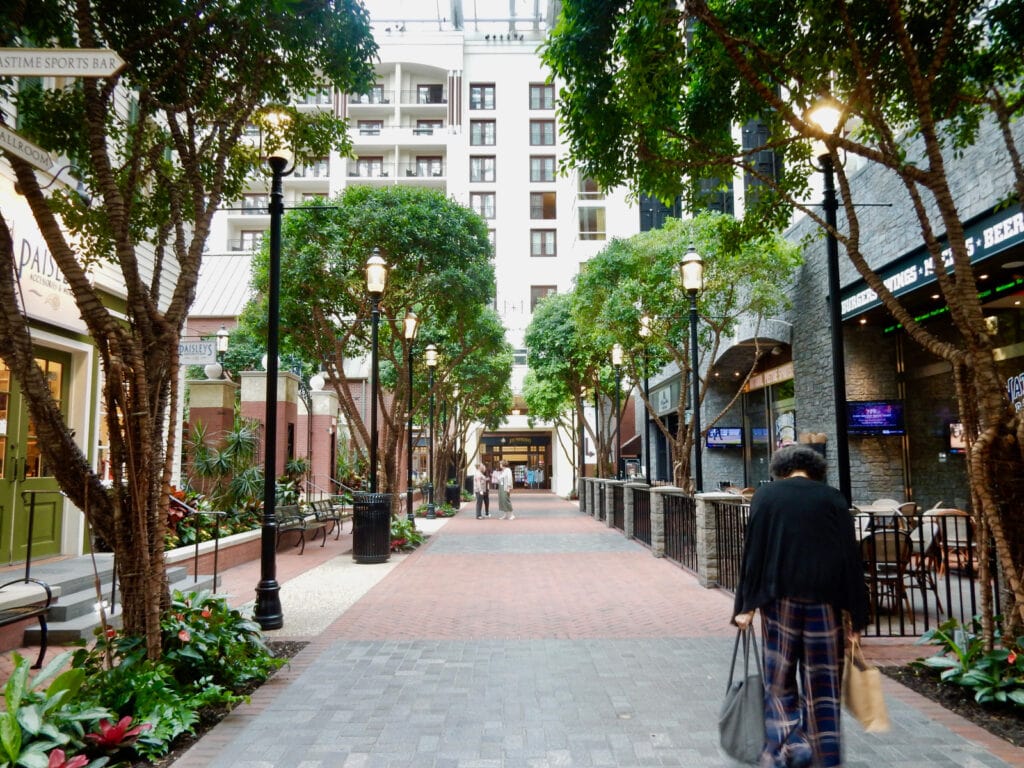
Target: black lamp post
(827,117)
(691,273)
(645,332)
(411,326)
(431,355)
(267,611)
(376,277)
(617,364)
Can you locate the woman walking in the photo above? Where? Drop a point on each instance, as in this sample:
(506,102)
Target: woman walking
(505,492)
(802,569)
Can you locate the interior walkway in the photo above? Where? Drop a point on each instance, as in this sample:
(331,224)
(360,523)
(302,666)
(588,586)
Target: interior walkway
(549,640)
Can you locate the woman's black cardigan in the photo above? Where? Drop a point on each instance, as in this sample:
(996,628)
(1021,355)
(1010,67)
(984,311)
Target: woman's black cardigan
(800,543)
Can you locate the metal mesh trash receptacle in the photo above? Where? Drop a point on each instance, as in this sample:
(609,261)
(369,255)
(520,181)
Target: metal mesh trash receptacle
(371,527)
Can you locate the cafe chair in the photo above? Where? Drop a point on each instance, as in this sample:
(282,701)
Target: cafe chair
(956,540)
(886,556)
(925,558)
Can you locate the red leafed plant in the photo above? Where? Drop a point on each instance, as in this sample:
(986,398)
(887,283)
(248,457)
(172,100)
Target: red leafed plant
(59,760)
(113,736)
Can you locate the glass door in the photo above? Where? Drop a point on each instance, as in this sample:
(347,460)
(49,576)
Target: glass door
(29,496)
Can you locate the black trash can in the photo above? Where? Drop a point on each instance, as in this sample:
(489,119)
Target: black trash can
(371,527)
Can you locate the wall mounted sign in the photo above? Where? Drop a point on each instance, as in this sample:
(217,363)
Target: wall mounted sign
(985,238)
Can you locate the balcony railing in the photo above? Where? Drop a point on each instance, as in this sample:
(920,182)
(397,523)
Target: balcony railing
(424,97)
(376,97)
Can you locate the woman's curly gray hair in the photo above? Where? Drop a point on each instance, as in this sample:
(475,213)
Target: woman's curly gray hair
(798,458)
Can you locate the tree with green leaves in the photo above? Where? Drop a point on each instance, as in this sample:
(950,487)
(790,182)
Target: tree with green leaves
(744,280)
(439,266)
(158,149)
(566,366)
(652,93)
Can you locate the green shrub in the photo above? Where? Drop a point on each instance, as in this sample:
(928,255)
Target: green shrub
(993,675)
(404,535)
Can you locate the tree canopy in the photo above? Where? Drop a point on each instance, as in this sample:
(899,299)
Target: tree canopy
(744,278)
(439,259)
(157,148)
(654,91)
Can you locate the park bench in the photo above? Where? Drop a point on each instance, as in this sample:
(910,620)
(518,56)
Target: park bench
(26,598)
(331,511)
(291,520)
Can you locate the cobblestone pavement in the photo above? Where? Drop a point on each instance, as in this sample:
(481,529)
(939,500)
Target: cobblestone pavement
(548,640)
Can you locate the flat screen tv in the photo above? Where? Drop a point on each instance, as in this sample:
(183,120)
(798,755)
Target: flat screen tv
(875,417)
(955,437)
(725,437)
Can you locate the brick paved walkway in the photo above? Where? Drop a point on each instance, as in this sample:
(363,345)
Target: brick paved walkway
(549,640)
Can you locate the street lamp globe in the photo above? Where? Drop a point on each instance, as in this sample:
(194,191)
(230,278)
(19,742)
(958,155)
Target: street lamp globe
(691,271)
(410,326)
(376,274)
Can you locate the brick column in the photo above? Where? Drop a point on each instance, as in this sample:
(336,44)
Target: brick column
(658,519)
(323,431)
(254,406)
(212,404)
(707,538)
(627,510)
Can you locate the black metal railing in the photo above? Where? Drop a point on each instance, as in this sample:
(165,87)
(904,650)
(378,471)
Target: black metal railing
(681,530)
(642,515)
(618,507)
(730,524)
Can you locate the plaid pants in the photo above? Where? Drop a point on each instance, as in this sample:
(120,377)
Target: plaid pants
(808,636)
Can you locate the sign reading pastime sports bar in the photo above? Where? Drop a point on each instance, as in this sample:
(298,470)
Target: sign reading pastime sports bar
(59,62)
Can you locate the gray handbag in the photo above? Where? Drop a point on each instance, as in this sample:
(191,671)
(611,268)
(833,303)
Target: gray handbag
(741,719)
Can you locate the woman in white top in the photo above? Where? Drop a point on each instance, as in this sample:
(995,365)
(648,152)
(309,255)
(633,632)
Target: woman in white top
(505,492)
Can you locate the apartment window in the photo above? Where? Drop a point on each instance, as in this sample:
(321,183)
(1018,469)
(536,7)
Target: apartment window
(377,95)
(492,238)
(314,169)
(542,168)
(251,239)
(369,167)
(540,292)
(542,242)
(370,127)
(481,133)
(255,205)
(519,357)
(542,205)
(429,165)
(483,203)
(542,96)
(481,168)
(427,127)
(592,224)
(589,190)
(429,94)
(481,96)
(542,133)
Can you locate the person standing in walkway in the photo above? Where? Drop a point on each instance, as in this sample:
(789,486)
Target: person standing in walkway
(802,569)
(481,483)
(505,491)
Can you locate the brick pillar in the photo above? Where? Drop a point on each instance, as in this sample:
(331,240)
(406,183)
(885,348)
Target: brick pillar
(658,519)
(212,404)
(628,527)
(323,428)
(707,538)
(254,406)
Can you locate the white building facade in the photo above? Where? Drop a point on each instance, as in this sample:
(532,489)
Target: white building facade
(467,108)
